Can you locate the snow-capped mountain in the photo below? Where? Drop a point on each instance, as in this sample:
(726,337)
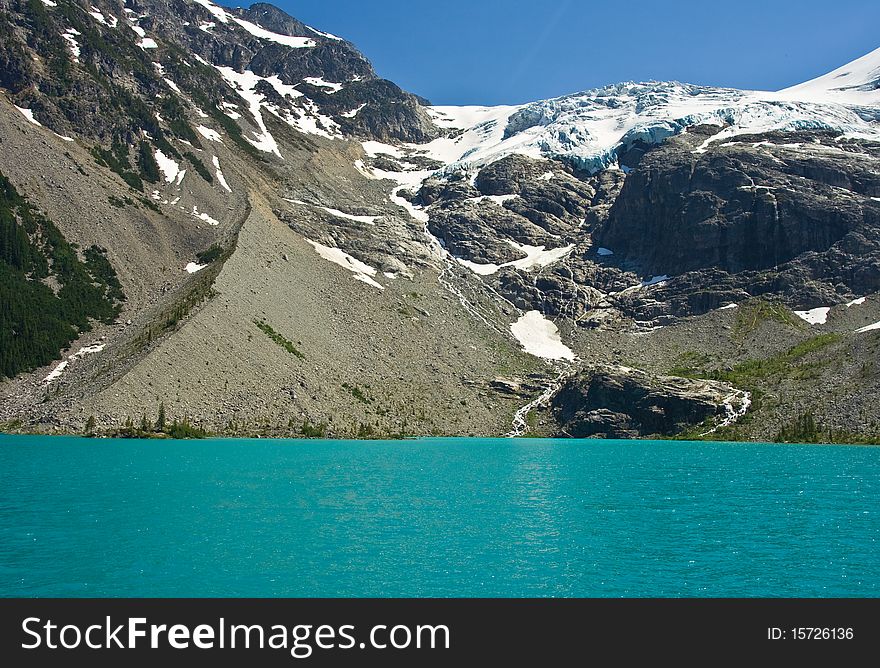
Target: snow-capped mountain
(265,236)
(856,83)
(590,130)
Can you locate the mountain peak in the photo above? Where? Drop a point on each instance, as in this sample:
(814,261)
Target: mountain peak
(857,82)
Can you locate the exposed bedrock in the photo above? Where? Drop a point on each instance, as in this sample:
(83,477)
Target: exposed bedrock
(619,402)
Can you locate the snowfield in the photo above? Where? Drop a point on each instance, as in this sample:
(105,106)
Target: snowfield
(362,271)
(62,367)
(536,257)
(209,134)
(540,337)
(170,169)
(285,40)
(589,129)
(816,316)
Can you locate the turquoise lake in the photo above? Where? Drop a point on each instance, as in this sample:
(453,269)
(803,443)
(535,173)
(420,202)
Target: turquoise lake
(436,518)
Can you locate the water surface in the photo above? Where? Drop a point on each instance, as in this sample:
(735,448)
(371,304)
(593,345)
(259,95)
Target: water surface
(437,518)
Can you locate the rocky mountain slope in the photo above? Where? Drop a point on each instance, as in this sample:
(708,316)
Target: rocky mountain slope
(302,248)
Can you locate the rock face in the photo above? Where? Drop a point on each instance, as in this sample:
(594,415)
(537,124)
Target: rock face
(515,201)
(756,214)
(619,402)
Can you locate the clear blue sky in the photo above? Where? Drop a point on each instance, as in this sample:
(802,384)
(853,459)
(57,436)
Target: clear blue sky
(497,52)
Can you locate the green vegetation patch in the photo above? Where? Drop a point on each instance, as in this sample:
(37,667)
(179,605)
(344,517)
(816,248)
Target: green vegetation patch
(148,429)
(120,202)
(266,328)
(805,429)
(116,159)
(789,364)
(751,315)
(147,163)
(49,294)
(357,393)
(309,430)
(213,254)
(199,166)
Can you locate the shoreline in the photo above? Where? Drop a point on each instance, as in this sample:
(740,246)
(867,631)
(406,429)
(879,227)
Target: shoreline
(498,439)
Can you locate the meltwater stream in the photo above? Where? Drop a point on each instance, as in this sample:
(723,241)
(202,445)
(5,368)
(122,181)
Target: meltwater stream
(436,518)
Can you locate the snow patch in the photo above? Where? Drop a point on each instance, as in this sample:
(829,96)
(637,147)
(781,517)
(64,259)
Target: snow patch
(245,83)
(325,34)
(319,82)
(729,307)
(193,268)
(218,12)
(209,134)
(148,43)
(354,112)
(220,178)
(29,114)
(373,148)
(98,16)
(362,271)
(110,22)
(540,337)
(170,169)
(498,199)
(654,280)
(268,35)
(50,3)
(362,168)
(70,37)
(82,352)
(482,139)
(173,86)
(857,302)
(536,256)
(205,217)
(816,316)
(604,252)
(309,119)
(368,220)
(869,328)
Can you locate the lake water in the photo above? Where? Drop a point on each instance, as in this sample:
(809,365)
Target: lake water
(436,518)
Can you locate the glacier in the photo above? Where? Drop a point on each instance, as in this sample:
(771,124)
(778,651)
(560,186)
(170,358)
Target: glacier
(591,129)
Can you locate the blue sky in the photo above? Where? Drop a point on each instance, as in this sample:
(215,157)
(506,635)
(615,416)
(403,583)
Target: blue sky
(497,52)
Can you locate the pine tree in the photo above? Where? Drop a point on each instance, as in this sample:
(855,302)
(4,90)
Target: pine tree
(160,421)
(147,163)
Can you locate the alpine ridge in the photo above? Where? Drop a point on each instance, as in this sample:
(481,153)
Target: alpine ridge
(227,217)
